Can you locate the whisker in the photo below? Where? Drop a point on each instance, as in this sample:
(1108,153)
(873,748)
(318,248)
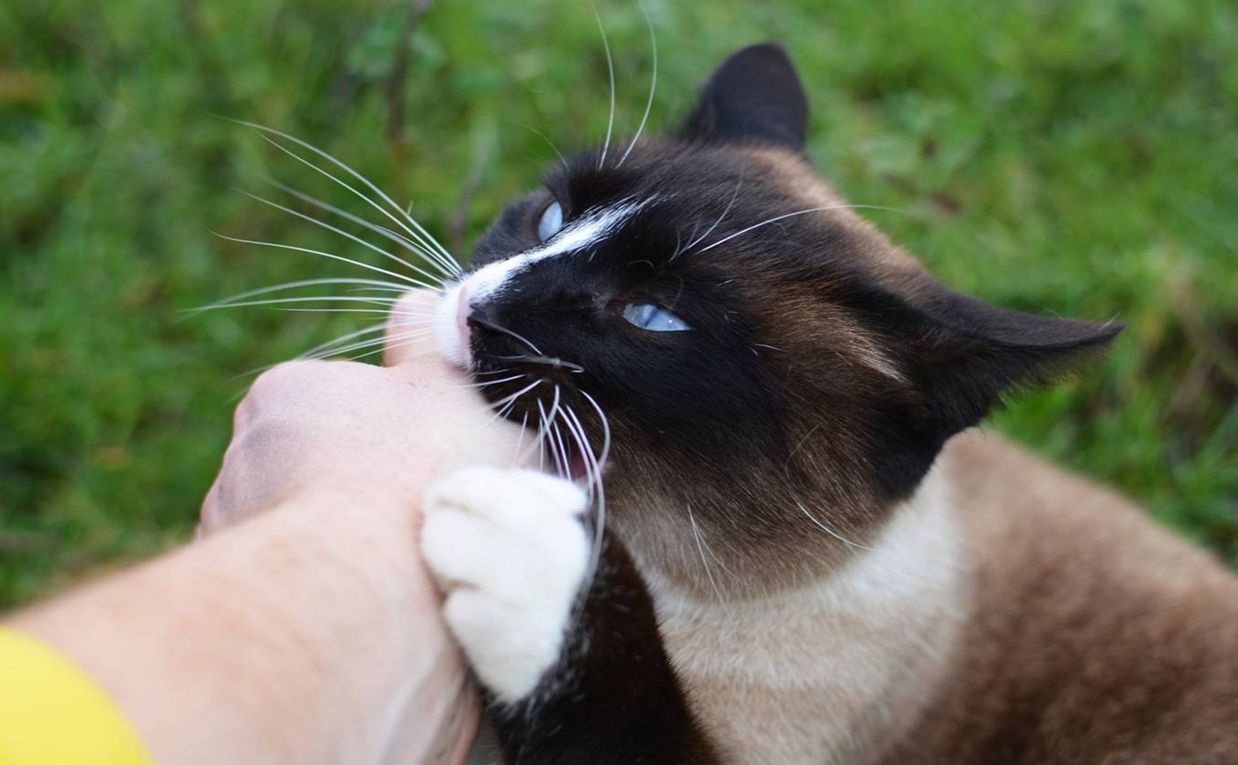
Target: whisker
(504,330)
(600,463)
(542,432)
(554,406)
(382,311)
(700,547)
(734,194)
(524,425)
(309,354)
(345,339)
(550,143)
(451,266)
(784,216)
(432,257)
(420,234)
(562,458)
(610,69)
(376,284)
(495,382)
(653,85)
(496,405)
(383,231)
(304,299)
(411,335)
(386,346)
(596,490)
(605,453)
(377,289)
(819,524)
(346,235)
(549,361)
(329,255)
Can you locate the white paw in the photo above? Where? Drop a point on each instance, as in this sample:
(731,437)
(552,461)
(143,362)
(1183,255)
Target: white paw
(510,551)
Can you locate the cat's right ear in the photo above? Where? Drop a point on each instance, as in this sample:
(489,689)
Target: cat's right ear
(754,97)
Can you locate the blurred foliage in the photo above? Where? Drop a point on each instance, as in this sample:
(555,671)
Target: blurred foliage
(1068,157)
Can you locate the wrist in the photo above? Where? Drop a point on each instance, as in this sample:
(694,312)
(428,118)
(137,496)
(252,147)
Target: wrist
(310,635)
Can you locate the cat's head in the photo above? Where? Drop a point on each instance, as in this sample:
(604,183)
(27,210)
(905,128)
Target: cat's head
(775,373)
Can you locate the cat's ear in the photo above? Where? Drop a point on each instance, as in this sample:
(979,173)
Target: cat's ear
(967,354)
(755,96)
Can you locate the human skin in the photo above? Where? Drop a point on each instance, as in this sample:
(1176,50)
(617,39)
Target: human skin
(303,626)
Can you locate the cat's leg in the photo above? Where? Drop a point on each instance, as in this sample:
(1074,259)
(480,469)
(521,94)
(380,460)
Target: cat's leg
(575,669)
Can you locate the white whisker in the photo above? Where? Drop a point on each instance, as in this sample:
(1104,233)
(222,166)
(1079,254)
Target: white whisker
(383,231)
(305,299)
(431,256)
(383,311)
(700,547)
(449,263)
(435,279)
(819,524)
(610,68)
(329,255)
(391,286)
(498,405)
(784,216)
(387,346)
(524,425)
(550,143)
(345,339)
(599,465)
(373,342)
(542,433)
(734,194)
(653,85)
(489,383)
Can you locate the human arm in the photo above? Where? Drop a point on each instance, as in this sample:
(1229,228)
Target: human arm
(309,632)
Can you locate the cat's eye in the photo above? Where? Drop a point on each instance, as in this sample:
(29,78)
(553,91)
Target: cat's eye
(550,222)
(652,318)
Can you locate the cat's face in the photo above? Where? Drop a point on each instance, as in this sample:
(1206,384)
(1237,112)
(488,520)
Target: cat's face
(774,374)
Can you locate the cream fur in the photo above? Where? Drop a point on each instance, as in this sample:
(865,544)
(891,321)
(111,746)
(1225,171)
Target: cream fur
(822,673)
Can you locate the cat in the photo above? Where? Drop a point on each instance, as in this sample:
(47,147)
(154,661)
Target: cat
(808,552)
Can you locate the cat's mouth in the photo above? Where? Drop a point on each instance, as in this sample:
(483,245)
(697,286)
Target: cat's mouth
(514,381)
(576,466)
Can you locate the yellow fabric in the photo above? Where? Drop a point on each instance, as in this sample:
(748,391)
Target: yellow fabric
(53,713)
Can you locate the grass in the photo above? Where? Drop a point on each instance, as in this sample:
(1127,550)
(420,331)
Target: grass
(1069,157)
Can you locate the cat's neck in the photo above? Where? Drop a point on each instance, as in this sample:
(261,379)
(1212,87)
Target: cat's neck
(832,670)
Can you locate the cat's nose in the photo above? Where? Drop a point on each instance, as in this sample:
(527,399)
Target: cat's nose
(464,308)
(450,321)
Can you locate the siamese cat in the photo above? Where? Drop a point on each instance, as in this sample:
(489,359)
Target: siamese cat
(775,536)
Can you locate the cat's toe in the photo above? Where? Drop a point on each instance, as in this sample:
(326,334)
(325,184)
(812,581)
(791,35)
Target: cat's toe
(510,551)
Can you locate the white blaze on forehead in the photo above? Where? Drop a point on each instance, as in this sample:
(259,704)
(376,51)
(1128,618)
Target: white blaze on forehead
(577,235)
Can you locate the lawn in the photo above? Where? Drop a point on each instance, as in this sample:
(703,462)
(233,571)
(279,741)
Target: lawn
(1076,158)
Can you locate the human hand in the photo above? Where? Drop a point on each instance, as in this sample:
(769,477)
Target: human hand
(357,431)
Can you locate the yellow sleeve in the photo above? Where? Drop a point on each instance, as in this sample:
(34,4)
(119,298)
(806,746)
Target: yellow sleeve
(53,713)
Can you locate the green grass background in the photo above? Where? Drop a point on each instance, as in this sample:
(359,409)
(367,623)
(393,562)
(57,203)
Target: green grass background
(1078,158)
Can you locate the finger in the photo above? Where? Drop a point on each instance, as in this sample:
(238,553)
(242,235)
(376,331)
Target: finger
(409,332)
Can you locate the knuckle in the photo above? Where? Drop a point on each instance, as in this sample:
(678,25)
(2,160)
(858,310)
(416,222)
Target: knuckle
(290,374)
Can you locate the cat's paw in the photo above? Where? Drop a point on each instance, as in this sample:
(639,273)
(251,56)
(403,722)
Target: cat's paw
(510,552)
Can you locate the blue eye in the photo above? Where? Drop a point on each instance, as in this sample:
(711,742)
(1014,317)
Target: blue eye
(650,317)
(550,222)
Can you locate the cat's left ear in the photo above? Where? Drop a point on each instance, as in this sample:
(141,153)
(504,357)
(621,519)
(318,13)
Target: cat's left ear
(968,354)
(755,96)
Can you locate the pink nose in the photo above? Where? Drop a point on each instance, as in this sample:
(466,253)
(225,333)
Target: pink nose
(464,308)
